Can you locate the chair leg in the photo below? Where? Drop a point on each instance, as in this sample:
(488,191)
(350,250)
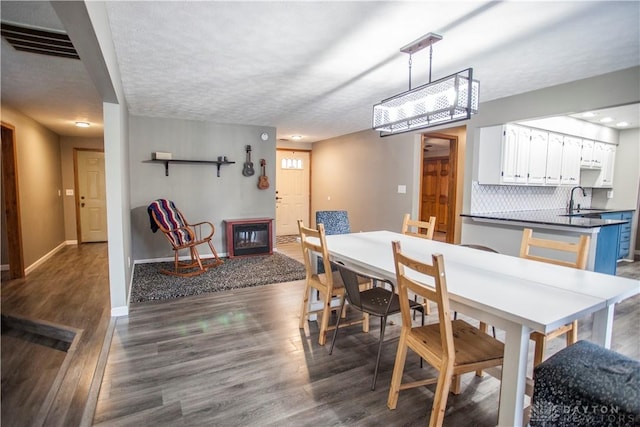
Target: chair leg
(445,378)
(383,325)
(324,322)
(304,310)
(425,303)
(398,369)
(455,384)
(572,335)
(335,332)
(540,344)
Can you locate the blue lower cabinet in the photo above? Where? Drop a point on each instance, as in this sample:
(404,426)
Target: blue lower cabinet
(624,238)
(607,249)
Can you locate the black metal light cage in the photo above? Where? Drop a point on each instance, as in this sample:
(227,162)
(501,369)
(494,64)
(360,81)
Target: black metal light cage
(439,102)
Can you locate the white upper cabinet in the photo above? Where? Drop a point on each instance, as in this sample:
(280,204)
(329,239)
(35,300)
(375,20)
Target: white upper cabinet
(592,154)
(586,160)
(537,157)
(519,155)
(608,163)
(598,154)
(504,155)
(554,159)
(571,152)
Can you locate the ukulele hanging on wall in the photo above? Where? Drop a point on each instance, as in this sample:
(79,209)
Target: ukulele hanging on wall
(263,181)
(248,165)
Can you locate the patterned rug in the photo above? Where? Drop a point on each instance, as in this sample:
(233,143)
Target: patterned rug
(149,284)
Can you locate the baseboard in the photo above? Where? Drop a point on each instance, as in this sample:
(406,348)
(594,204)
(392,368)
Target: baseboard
(170,259)
(44,258)
(71,242)
(119,311)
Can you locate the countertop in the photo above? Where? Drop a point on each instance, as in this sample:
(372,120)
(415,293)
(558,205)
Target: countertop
(578,218)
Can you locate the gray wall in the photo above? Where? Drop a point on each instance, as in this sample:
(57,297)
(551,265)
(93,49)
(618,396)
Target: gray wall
(360,173)
(39,183)
(195,188)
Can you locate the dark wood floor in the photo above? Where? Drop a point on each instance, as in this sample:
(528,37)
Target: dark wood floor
(233,358)
(238,359)
(70,289)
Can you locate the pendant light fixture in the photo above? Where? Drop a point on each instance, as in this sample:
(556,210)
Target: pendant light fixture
(446,100)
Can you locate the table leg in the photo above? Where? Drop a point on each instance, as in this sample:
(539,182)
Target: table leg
(514,375)
(602,326)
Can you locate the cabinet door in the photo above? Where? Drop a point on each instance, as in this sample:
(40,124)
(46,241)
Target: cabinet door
(608,163)
(537,157)
(571,149)
(587,153)
(554,159)
(598,154)
(509,154)
(522,162)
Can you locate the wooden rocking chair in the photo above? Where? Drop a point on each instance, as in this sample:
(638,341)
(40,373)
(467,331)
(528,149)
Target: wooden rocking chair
(167,218)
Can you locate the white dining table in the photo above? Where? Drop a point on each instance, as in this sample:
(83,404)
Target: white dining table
(513,294)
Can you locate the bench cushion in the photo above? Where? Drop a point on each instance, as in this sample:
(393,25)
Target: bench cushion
(585,384)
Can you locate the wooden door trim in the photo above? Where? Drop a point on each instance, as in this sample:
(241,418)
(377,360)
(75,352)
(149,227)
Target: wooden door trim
(302,150)
(76,186)
(12,201)
(452,178)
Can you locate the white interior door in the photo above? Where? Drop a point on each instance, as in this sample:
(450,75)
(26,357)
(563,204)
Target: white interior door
(292,190)
(92,202)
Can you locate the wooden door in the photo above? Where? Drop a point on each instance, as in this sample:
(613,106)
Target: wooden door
(293,177)
(91,200)
(12,201)
(435,191)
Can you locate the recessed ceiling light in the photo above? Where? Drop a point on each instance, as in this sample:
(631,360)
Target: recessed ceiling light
(606,119)
(622,124)
(83,124)
(296,137)
(589,114)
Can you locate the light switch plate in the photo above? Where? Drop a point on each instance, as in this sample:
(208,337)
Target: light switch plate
(68,192)
(402,189)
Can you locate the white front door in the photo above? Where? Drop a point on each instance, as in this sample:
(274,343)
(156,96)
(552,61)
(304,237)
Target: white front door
(292,190)
(91,197)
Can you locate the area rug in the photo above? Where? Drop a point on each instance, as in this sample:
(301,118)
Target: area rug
(150,284)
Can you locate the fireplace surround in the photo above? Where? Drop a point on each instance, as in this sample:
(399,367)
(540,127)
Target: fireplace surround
(249,236)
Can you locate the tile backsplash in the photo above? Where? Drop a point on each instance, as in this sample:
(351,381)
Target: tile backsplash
(504,198)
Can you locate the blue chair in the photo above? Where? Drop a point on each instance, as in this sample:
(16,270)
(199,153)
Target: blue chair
(335,222)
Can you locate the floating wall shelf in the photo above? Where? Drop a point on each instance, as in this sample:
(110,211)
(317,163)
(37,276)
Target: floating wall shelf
(218,163)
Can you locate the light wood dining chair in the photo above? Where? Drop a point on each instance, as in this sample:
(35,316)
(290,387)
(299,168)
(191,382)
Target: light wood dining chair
(424,229)
(581,252)
(329,285)
(453,347)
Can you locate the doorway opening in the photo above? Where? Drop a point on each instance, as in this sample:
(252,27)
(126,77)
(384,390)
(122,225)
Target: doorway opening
(11,200)
(293,192)
(438,186)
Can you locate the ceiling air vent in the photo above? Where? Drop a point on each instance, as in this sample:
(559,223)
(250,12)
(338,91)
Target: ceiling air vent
(44,42)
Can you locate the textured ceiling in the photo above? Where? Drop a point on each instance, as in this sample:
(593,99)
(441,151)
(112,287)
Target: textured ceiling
(317,68)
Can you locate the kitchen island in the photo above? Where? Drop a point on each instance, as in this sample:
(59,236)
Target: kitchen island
(502,231)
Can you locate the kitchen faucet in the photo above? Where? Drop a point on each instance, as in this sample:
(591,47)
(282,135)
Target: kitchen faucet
(584,193)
